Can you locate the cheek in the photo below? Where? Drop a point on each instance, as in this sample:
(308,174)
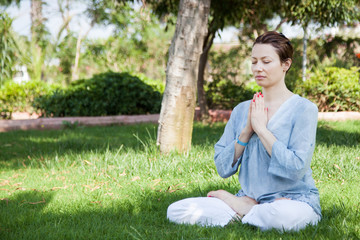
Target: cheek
(253,68)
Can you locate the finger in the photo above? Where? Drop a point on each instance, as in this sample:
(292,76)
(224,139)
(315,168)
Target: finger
(253,105)
(261,103)
(258,99)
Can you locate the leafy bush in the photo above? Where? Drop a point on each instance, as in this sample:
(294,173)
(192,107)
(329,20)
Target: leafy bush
(105,94)
(155,84)
(223,94)
(333,89)
(20,96)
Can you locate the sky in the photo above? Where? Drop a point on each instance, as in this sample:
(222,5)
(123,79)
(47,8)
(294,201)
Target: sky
(81,23)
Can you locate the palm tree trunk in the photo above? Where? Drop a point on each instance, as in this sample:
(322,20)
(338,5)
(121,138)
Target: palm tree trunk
(37,29)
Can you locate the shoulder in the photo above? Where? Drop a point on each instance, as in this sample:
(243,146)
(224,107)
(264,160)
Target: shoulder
(240,110)
(243,106)
(303,104)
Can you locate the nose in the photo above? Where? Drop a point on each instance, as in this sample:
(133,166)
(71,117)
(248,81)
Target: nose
(257,67)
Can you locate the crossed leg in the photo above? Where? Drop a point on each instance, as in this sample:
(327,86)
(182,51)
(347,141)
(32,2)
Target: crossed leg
(218,209)
(221,207)
(241,205)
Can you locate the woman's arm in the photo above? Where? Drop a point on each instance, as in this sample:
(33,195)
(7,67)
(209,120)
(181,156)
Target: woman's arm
(292,159)
(227,152)
(244,137)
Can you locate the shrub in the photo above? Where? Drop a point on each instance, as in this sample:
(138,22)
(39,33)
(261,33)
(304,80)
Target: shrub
(20,96)
(223,94)
(155,84)
(105,94)
(333,89)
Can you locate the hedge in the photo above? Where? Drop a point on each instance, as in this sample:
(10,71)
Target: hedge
(333,89)
(102,95)
(19,97)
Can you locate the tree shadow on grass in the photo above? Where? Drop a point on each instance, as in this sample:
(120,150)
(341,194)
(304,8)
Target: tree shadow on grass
(19,148)
(328,135)
(140,218)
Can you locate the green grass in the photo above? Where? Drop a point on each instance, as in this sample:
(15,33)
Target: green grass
(112,183)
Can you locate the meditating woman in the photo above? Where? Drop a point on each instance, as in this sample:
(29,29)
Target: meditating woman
(272,139)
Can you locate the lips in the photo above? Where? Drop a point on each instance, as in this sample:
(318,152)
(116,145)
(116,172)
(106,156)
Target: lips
(259,77)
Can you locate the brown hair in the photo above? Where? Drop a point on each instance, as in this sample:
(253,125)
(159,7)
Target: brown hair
(281,44)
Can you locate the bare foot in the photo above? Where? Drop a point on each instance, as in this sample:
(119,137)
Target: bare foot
(241,205)
(282,199)
(221,194)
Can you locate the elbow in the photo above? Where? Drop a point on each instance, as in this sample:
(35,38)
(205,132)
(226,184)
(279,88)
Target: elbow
(297,171)
(294,171)
(223,174)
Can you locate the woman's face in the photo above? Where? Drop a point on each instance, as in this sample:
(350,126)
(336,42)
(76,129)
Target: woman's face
(266,66)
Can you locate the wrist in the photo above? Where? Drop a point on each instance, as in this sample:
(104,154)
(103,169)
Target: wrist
(262,131)
(245,135)
(241,143)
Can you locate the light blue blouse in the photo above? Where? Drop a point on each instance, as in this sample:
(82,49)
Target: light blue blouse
(286,173)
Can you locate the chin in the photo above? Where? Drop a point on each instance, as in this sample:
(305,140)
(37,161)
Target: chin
(259,83)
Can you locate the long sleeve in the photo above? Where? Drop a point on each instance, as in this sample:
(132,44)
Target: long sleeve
(225,147)
(292,159)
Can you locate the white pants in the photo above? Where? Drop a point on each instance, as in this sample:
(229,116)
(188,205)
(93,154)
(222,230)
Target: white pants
(284,215)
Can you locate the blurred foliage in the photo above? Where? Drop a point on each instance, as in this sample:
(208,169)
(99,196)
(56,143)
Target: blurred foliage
(229,71)
(103,95)
(140,47)
(323,52)
(16,97)
(65,52)
(333,89)
(223,94)
(322,12)
(7,3)
(8,48)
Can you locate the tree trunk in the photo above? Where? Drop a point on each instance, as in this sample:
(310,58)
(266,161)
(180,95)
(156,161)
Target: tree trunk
(204,111)
(179,100)
(74,73)
(36,18)
(304,54)
(37,30)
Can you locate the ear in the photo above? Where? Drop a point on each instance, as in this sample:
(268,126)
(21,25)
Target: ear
(287,64)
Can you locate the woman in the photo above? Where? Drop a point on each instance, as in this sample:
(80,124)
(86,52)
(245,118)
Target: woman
(272,139)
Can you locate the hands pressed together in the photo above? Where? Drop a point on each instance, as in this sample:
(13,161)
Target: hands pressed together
(258,114)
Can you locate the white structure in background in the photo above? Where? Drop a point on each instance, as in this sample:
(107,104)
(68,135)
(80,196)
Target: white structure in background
(21,74)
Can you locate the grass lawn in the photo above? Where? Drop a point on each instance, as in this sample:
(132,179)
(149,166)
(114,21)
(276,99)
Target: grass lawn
(112,183)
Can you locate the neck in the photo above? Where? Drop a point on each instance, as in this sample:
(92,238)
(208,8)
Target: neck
(278,93)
